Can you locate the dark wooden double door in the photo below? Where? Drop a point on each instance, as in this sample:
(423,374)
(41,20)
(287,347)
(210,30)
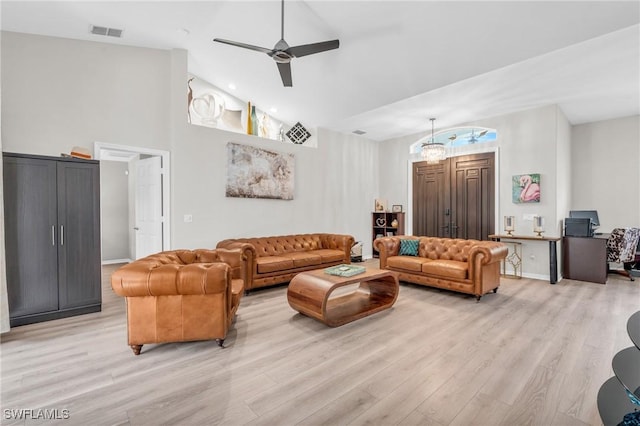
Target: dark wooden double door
(455,198)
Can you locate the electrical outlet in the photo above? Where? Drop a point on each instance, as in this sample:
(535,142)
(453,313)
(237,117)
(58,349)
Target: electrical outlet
(528,216)
(188,218)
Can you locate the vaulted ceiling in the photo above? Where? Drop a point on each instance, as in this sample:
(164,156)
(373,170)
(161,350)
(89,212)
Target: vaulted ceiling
(399,62)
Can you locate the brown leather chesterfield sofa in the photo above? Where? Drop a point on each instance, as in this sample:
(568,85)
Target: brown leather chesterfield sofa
(465,266)
(180,295)
(275,260)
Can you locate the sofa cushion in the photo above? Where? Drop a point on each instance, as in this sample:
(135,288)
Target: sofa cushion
(408,263)
(330,255)
(409,247)
(273,264)
(446,268)
(304,258)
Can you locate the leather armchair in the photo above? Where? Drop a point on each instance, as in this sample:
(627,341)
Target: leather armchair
(181,295)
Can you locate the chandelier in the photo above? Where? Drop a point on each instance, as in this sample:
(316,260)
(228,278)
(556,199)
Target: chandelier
(433,152)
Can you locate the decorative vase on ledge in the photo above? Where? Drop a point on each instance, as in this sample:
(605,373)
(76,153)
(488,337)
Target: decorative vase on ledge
(254,121)
(249,130)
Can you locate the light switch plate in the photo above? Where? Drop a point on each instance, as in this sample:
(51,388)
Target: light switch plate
(188,218)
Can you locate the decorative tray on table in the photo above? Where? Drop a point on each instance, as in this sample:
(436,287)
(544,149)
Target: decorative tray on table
(345,270)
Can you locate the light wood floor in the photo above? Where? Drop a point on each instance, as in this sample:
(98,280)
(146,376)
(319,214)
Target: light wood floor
(533,353)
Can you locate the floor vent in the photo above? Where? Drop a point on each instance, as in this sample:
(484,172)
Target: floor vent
(104,31)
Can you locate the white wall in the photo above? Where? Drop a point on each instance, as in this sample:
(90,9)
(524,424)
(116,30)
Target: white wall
(563,171)
(334,183)
(589,166)
(334,188)
(59,93)
(527,143)
(606,171)
(114,221)
(88,92)
(4,300)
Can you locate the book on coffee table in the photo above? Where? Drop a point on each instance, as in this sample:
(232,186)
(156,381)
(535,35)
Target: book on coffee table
(345,270)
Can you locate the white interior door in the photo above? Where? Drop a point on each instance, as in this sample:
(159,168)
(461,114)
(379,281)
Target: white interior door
(148,207)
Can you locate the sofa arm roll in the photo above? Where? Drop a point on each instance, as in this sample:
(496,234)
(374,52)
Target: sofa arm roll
(147,279)
(490,252)
(236,258)
(247,250)
(248,255)
(339,242)
(387,247)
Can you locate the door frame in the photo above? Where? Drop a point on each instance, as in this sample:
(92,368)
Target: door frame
(103,147)
(417,159)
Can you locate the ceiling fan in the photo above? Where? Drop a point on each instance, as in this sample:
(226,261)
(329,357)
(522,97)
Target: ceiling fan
(282,53)
(474,138)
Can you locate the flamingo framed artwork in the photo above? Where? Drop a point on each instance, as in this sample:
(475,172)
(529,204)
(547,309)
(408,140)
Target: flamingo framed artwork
(526,188)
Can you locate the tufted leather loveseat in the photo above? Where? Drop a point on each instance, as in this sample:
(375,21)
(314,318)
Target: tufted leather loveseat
(275,260)
(466,266)
(180,295)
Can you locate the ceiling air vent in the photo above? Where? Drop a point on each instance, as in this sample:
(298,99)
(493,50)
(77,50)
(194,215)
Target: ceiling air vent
(104,31)
(114,32)
(359,132)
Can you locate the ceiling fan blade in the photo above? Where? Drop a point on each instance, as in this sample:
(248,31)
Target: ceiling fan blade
(482,133)
(243,45)
(285,74)
(310,49)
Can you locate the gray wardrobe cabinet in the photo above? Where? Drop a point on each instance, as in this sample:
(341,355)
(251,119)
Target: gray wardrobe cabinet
(52,237)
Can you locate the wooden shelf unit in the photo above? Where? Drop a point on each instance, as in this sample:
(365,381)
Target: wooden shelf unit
(381,226)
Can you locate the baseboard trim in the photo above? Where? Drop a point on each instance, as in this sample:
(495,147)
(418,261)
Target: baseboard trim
(114,261)
(537,276)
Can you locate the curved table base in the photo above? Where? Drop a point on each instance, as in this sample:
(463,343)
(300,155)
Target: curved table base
(310,294)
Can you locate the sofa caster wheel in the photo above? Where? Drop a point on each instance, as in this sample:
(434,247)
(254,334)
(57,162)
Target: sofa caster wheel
(136,349)
(495,290)
(220,342)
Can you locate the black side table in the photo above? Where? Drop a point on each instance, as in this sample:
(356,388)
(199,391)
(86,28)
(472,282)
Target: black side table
(620,395)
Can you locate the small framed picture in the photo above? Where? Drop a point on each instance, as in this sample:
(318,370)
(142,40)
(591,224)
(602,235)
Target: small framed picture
(396,208)
(389,234)
(380,205)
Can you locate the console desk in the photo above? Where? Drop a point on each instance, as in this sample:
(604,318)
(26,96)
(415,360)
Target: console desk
(553,250)
(585,258)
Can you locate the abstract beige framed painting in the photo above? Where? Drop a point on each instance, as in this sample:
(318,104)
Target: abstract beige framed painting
(258,173)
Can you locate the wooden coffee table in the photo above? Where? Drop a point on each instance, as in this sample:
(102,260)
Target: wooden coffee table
(310,294)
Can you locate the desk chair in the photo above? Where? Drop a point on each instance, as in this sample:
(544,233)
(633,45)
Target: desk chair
(622,247)
(635,264)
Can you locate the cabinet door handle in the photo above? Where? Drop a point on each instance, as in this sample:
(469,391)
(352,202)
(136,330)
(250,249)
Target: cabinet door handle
(61,235)
(53,235)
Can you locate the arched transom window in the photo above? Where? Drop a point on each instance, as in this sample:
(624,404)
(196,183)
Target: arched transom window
(457,137)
